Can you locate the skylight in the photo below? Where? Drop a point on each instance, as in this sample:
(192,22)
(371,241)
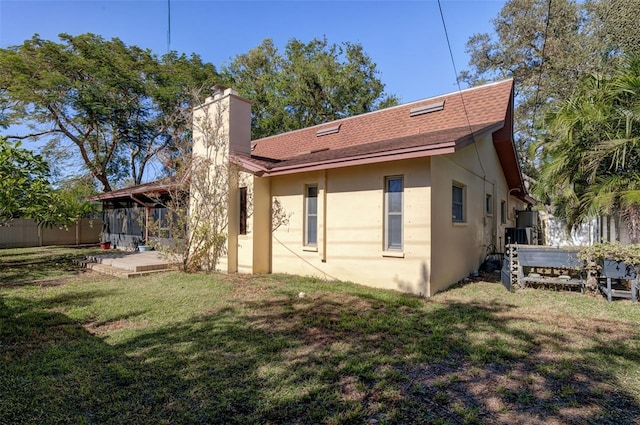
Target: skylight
(328,130)
(426,109)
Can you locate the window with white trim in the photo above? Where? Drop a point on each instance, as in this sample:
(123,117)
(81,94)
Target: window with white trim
(311,216)
(457,204)
(393,200)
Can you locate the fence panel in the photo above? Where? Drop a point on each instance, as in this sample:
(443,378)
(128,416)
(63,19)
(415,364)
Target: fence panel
(25,233)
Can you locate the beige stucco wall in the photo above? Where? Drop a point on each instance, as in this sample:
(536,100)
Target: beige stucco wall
(437,252)
(222,127)
(460,248)
(351,224)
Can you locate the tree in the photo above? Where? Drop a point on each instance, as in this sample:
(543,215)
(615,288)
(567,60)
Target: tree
(618,23)
(590,157)
(116,106)
(23,182)
(309,84)
(546,47)
(25,191)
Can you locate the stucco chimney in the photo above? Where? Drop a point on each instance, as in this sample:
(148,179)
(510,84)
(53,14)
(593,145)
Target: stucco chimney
(239,123)
(226,114)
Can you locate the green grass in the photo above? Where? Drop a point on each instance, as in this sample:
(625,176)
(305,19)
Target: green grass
(81,348)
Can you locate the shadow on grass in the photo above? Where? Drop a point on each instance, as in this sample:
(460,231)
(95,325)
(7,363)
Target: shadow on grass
(43,265)
(319,359)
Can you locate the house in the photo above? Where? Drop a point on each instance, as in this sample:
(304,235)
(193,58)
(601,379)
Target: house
(407,198)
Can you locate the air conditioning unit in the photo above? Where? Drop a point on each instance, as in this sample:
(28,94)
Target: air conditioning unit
(521,235)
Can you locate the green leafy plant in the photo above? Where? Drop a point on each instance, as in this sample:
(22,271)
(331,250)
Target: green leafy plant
(595,254)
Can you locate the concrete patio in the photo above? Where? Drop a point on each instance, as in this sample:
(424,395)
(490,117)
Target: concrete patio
(129,264)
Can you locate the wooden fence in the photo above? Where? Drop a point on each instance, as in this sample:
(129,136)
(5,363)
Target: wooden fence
(25,233)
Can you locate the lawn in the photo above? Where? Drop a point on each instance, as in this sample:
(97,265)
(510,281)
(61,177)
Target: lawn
(78,347)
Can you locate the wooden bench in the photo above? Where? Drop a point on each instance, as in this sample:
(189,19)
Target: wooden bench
(560,262)
(619,271)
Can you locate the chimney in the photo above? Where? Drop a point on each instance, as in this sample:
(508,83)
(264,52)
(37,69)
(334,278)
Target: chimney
(228,110)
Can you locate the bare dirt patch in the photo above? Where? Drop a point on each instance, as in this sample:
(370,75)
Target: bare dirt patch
(102,328)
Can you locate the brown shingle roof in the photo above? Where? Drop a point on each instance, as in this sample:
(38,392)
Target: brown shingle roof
(421,144)
(482,105)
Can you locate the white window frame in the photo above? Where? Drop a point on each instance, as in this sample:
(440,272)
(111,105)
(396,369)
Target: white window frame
(308,214)
(387,228)
(461,204)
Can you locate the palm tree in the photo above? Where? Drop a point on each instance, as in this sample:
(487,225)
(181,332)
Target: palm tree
(590,156)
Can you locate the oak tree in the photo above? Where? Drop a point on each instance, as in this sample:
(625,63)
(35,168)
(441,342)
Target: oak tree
(546,47)
(307,84)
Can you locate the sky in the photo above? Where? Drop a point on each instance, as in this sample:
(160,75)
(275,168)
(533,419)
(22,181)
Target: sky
(406,39)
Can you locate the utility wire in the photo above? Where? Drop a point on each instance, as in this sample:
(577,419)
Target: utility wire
(544,45)
(464,107)
(169,26)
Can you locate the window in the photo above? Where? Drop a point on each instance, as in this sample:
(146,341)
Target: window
(243,210)
(488,204)
(458,203)
(394,187)
(311,216)
(503,212)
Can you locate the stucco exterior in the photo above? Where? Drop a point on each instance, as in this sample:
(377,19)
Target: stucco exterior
(351,221)
(339,196)
(350,242)
(460,247)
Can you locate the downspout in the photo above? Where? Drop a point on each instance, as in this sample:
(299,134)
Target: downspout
(508,204)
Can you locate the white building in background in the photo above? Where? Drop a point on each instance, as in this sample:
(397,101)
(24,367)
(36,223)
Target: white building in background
(598,229)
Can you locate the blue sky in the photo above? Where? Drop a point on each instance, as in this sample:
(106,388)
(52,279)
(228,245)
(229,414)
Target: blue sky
(405,39)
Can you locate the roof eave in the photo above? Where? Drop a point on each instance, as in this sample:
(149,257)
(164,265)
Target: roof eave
(248,165)
(134,190)
(508,155)
(373,158)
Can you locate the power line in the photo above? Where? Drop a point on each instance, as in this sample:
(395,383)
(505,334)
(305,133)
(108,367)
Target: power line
(168,26)
(464,107)
(544,45)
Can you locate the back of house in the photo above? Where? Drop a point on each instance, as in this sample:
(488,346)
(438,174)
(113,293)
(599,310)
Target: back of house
(405,198)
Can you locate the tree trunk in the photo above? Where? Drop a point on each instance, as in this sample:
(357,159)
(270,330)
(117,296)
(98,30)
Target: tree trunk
(102,178)
(631,217)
